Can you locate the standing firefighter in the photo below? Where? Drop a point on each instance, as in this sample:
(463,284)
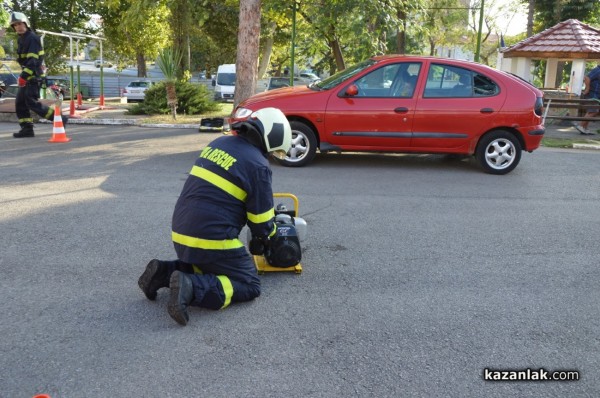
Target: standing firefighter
(229,186)
(30,56)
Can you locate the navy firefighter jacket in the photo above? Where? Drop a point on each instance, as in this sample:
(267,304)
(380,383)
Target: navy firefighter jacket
(30,55)
(228,186)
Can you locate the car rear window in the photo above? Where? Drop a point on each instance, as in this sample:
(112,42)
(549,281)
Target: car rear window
(446,81)
(139,84)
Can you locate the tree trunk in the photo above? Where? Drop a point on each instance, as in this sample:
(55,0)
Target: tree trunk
(141,64)
(265,59)
(337,54)
(530,11)
(247,52)
(401,36)
(172,98)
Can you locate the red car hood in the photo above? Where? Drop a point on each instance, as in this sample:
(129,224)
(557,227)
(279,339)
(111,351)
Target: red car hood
(274,95)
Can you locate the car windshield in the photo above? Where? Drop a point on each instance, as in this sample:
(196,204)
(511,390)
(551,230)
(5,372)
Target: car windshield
(226,79)
(341,76)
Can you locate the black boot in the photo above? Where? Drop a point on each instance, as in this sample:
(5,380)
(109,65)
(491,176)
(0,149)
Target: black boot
(26,131)
(182,294)
(154,277)
(65,119)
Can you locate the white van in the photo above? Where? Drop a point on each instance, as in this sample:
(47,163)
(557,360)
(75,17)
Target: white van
(224,82)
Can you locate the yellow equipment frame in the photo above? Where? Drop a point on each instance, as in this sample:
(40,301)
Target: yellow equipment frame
(261,263)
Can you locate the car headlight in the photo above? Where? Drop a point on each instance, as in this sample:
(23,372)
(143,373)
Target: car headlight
(242,113)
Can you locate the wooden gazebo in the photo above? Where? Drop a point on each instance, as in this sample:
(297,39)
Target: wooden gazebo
(570,40)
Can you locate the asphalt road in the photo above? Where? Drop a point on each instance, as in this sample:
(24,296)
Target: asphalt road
(419,273)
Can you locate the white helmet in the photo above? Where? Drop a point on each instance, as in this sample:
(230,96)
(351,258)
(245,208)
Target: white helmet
(275,130)
(19,17)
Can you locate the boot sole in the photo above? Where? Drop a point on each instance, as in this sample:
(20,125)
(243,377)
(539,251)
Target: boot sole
(174,308)
(146,279)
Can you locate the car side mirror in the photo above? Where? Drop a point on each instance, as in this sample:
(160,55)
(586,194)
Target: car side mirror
(352,90)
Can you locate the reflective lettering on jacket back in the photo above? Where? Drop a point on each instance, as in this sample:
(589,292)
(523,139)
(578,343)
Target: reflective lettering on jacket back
(218,156)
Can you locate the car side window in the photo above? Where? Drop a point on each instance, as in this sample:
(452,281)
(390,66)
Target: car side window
(395,80)
(445,81)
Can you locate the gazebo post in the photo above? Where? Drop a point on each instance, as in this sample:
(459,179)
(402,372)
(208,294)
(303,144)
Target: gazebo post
(551,71)
(523,68)
(577,74)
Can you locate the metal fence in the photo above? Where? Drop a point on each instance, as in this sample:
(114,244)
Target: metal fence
(114,84)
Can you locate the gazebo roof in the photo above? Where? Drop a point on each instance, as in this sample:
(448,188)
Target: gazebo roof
(570,39)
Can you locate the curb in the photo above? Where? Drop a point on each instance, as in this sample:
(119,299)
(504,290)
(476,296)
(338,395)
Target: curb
(587,146)
(128,122)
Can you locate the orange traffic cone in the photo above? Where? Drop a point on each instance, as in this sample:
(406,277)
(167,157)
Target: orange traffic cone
(41,396)
(58,131)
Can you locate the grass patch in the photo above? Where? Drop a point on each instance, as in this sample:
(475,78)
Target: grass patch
(223,111)
(561,142)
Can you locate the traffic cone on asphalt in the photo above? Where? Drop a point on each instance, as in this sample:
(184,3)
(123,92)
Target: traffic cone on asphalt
(58,130)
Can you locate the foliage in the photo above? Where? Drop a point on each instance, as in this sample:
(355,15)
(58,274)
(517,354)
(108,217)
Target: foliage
(168,62)
(550,12)
(134,31)
(192,99)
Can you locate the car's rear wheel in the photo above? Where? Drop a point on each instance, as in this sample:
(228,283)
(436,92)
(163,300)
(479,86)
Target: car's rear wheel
(304,146)
(498,152)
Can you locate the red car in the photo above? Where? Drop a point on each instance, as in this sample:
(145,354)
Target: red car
(399,103)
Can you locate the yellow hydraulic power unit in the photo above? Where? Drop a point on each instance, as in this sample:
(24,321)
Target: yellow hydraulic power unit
(284,253)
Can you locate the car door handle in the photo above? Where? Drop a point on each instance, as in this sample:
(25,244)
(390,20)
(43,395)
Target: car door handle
(401,110)
(486,110)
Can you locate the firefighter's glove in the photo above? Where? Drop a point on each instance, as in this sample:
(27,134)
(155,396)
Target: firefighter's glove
(257,246)
(21,82)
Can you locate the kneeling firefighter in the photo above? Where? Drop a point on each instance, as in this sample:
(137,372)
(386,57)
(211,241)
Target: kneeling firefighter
(229,186)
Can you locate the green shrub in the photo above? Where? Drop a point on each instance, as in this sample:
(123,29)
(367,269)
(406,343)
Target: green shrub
(192,99)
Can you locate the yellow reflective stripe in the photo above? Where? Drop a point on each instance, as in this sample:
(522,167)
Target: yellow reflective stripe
(260,218)
(196,269)
(32,55)
(227,289)
(219,182)
(208,244)
(26,120)
(274,230)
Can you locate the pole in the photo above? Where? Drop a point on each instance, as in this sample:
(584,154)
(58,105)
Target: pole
(72,101)
(79,103)
(478,49)
(101,78)
(42,89)
(293,41)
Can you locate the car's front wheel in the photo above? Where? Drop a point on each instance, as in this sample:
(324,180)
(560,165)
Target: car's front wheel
(498,152)
(304,146)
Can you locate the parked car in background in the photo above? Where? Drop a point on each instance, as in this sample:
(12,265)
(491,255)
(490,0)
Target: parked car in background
(136,90)
(104,63)
(6,80)
(281,81)
(311,77)
(224,82)
(411,104)
(60,87)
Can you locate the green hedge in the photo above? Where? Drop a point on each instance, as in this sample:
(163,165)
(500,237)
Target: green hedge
(192,99)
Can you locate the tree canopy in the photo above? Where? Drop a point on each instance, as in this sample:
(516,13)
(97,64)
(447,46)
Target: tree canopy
(330,34)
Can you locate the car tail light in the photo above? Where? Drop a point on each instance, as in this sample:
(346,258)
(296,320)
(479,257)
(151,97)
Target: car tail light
(539,106)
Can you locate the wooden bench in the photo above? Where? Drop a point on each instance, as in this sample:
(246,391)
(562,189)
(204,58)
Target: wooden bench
(570,103)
